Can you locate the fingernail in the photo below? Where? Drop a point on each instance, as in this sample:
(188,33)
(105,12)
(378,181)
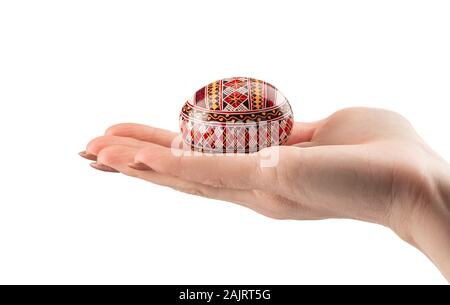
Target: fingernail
(139,166)
(103,168)
(85,155)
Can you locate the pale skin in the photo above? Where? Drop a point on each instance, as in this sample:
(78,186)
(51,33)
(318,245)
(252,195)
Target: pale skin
(359,163)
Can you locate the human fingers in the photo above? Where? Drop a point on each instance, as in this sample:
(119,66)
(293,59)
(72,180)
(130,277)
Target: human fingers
(120,157)
(303,131)
(237,171)
(143,133)
(99,143)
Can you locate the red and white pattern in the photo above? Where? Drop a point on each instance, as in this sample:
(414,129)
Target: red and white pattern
(237,115)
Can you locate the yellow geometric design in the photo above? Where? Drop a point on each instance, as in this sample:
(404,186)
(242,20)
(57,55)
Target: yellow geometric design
(213,95)
(257,93)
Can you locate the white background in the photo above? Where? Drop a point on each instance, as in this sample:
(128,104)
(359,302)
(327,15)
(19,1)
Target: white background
(69,69)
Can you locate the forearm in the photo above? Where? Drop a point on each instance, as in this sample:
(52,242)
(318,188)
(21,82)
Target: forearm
(430,230)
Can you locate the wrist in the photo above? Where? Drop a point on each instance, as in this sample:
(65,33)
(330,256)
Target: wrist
(429,225)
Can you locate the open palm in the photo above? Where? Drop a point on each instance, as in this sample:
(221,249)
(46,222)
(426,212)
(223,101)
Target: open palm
(352,164)
(358,163)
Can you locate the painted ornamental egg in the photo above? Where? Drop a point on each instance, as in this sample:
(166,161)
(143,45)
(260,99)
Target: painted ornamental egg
(236,115)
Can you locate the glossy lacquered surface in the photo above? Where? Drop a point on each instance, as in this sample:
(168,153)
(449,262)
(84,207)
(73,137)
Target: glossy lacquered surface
(236,114)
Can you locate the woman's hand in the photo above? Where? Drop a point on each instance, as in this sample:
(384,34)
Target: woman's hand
(359,163)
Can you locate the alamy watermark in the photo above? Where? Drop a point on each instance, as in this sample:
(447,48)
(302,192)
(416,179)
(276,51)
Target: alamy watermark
(231,140)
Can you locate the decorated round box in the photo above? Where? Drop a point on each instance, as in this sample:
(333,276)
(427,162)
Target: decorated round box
(236,115)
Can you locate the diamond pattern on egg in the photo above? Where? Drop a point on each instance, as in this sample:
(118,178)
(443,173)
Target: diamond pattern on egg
(236,115)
